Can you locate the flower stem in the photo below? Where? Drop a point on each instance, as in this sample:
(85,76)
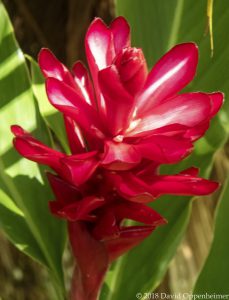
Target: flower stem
(91,262)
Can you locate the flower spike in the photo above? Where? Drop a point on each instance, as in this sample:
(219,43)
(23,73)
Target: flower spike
(122,123)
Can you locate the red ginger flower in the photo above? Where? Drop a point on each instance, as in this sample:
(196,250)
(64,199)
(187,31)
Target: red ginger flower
(120,129)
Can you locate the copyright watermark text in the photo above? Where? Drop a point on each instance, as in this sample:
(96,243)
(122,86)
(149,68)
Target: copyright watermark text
(182,296)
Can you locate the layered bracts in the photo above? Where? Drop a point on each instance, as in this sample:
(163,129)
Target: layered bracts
(122,123)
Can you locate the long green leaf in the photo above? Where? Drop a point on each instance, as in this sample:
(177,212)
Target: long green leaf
(214,276)
(156,26)
(12,221)
(23,195)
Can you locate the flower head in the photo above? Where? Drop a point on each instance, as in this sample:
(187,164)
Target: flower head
(122,123)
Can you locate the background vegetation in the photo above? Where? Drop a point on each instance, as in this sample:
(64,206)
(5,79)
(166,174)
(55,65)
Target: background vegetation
(172,259)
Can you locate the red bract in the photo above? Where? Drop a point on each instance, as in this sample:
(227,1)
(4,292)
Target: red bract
(121,126)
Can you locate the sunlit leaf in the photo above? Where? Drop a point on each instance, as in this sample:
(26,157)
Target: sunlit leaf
(24,196)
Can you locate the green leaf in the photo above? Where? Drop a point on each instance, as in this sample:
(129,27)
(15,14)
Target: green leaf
(157,26)
(24,195)
(12,221)
(214,276)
